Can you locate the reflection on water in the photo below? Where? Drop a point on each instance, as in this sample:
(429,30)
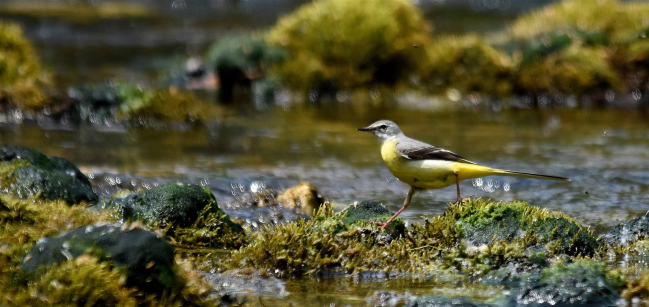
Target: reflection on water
(605,153)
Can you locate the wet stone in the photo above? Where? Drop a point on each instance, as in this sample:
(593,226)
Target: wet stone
(148,258)
(582,283)
(53,178)
(174,203)
(441,301)
(388,298)
(625,232)
(249,281)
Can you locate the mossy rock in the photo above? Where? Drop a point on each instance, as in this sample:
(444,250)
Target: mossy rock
(27,172)
(148,257)
(137,105)
(348,44)
(21,76)
(174,204)
(481,222)
(468,64)
(369,211)
(582,283)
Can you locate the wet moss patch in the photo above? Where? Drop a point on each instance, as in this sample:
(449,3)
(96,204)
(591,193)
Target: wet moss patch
(21,75)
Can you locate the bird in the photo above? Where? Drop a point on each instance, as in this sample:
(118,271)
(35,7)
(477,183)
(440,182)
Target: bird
(423,166)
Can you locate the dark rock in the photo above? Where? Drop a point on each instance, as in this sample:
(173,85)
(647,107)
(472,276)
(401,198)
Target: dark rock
(148,258)
(248,280)
(54,177)
(441,301)
(176,204)
(582,283)
(627,231)
(372,211)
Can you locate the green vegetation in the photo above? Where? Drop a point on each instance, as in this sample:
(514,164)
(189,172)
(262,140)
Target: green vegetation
(347,44)
(21,76)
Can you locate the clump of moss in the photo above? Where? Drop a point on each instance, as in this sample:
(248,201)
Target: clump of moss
(347,44)
(305,247)
(21,75)
(468,64)
(167,105)
(614,19)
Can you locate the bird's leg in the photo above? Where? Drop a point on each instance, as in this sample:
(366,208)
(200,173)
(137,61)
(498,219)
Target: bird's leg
(457,184)
(405,205)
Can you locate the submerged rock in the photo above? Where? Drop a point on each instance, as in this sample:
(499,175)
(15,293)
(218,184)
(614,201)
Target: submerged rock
(148,258)
(51,178)
(176,204)
(246,281)
(441,301)
(582,283)
(626,232)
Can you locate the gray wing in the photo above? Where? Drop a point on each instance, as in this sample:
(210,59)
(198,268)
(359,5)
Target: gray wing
(416,150)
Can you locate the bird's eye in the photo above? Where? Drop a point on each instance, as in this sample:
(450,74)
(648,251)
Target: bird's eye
(382,127)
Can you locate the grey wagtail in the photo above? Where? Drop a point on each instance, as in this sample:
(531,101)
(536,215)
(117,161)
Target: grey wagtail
(425,166)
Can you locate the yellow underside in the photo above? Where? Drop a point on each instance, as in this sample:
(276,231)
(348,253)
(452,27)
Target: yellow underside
(432,174)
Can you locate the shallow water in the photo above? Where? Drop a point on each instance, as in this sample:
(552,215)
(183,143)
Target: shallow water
(604,152)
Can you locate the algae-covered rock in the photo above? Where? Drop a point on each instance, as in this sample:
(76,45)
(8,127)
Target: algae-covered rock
(21,75)
(148,257)
(347,44)
(468,64)
(582,283)
(238,61)
(177,204)
(516,271)
(135,104)
(480,222)
(27,172)
(627,232)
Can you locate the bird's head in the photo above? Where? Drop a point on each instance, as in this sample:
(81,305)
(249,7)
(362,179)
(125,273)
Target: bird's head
(384,129)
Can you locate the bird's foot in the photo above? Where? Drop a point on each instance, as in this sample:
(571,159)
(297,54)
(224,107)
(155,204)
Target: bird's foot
(461,200)
(382,225)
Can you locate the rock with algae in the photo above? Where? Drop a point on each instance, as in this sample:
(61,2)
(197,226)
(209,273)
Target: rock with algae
(27,172)
(148,257)
(187,213)
(482,222)
(348,44)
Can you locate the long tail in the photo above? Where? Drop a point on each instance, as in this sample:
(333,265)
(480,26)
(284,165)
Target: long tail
(530,175)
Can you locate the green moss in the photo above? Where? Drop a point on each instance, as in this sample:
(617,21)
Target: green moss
(467,63)
(614,19)
(347,44)
(483,222)
(21,75)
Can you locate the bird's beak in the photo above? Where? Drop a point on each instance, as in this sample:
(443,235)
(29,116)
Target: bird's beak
(364,129)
